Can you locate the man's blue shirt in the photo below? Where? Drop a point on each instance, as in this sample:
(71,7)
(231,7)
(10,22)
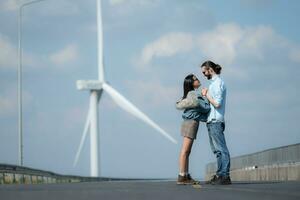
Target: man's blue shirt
(217,90)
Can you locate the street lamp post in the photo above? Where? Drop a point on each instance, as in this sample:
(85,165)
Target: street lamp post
(20,79)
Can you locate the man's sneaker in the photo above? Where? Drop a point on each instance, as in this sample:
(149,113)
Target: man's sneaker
(222,180)
(213,179)
(182,180)
(191,180)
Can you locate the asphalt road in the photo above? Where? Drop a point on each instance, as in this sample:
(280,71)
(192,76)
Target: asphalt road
(130,190)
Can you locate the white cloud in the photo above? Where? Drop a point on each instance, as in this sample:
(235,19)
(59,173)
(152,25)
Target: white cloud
(230,42)
(65,56)
(47,8)
(219,44)
(9,56)
(60,8)
(153,93)
(166,46)
(260,40)
(257,4)
(295,55)
(123,8)
(136,2)
(7,105)
(9,5)
(9,101)
(116,2)
(8,53)
(225,44)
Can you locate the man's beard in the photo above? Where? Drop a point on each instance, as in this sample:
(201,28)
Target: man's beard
(208,77)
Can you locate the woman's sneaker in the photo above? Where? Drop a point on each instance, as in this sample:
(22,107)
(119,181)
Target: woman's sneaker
(182,180)
(186,180)
(191,180)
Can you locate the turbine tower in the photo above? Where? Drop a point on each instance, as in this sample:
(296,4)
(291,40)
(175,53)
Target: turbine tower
(96,87)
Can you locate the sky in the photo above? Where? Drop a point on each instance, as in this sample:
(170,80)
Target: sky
(149,47)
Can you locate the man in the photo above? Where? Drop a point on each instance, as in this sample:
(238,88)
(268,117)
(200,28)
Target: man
(216,95)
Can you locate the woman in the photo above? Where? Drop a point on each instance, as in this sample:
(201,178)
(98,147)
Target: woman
(196,108)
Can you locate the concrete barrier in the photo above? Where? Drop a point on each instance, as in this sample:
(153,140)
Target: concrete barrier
(13,174)
(276,164)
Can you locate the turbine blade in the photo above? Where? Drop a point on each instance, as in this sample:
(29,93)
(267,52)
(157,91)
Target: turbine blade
(83,137)
(100,42)
(129,107)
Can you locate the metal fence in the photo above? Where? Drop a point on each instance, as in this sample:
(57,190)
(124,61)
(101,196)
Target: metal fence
(281,155)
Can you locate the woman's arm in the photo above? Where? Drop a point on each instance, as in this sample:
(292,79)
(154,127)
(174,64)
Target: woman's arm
(191,101)
(204,105)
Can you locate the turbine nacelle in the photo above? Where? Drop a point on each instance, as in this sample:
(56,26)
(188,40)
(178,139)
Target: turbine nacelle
(89,85)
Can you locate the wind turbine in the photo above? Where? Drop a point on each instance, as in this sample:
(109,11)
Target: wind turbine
(96,88)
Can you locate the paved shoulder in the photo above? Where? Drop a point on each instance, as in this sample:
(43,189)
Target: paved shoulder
(150,190)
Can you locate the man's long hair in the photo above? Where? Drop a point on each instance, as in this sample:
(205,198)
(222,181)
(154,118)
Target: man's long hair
(210,64)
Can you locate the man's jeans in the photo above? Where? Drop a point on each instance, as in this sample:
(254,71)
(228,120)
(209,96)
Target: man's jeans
(219,147)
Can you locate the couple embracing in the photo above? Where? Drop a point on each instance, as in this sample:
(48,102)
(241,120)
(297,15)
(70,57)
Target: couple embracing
(206,105)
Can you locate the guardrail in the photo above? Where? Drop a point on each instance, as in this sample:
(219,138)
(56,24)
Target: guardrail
(276,164)
(13,174)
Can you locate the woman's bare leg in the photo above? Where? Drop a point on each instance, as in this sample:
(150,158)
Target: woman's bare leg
(184,155)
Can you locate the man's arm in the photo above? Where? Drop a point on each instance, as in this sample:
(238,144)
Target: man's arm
(212,101)
(217,101)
